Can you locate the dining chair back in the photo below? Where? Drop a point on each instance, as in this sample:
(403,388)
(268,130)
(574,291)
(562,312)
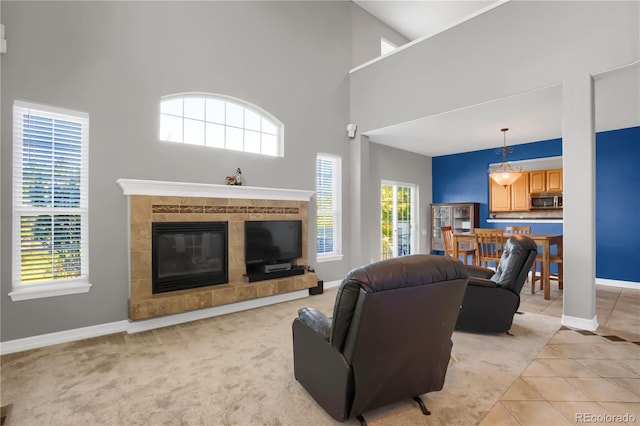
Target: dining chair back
(447,237)
(524,230)
(489,243)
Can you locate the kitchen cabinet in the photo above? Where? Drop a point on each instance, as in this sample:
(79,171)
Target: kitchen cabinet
(514,197)
(554,180)
(520,193)
(500,197)
(538,181)
(545,181)
(462,217)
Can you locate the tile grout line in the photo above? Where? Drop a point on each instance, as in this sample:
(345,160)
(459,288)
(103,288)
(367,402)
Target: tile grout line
(613,308)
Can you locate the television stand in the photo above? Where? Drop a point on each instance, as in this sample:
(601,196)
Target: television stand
(281,273)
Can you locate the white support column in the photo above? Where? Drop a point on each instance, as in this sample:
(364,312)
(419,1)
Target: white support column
(578,153)
(359,186)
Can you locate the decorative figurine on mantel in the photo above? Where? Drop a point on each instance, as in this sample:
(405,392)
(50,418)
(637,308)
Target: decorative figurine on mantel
(235,180)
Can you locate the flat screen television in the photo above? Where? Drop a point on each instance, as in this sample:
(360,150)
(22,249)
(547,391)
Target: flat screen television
(272,241)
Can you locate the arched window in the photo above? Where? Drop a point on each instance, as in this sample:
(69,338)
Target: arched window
(220,122)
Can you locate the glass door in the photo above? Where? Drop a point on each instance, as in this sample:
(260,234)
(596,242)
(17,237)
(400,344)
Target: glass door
(398,219)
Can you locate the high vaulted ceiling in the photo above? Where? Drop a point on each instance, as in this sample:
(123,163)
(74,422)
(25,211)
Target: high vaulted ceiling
(531,116)
(415,19)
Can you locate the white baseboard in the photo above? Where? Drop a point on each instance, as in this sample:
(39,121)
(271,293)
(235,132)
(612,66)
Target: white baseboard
(617,283)
(128,326)
(56,338)
(332,284)
(581,323)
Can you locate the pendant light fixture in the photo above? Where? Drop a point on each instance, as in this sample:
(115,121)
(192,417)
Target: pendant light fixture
(504,174)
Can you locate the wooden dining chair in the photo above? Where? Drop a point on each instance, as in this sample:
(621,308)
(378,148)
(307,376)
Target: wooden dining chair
(557,276)
(552,259)
(447,237)
(489,243)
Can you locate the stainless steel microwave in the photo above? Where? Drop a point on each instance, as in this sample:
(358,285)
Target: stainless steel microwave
(546,200)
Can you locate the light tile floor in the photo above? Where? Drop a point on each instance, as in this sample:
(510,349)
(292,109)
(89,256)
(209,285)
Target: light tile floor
(579,377)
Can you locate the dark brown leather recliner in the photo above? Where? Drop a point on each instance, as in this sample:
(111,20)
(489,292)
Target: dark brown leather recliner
(389,338)
(493,297)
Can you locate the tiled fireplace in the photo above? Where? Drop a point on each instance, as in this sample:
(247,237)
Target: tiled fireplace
(156,202)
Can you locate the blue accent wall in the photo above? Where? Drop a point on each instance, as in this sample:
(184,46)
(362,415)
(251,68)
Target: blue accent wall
(464,178)
(618,204)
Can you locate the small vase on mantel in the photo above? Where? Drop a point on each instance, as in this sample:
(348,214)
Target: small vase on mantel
(238,176)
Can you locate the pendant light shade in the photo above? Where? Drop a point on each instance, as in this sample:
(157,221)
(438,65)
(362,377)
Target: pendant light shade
(504,174)
(505,178)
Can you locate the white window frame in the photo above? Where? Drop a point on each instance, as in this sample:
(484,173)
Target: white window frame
(267,121)
(61,286)
(336,212)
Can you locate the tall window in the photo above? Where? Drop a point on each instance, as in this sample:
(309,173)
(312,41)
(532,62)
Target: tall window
(329,214)
(220,122)
(398,219)
(50,203)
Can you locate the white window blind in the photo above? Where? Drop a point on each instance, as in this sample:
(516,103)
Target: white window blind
(50,196)
(328,207)
(220,122)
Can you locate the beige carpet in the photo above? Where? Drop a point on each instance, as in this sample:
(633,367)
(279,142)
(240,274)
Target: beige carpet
(237,369)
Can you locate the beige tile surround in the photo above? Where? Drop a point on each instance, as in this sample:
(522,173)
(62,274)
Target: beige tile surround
(146,209)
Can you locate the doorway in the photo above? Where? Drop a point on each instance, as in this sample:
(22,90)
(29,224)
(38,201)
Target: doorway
(398,219)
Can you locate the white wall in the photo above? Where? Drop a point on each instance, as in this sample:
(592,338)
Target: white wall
(114,60)
(365,28)
(511,49)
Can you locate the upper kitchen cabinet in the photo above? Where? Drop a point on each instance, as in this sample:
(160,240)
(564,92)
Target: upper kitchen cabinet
(545,181)
(554,180)
(538,181)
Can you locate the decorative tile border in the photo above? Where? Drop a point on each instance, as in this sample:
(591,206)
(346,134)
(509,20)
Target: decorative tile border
(174,208)
(611,338)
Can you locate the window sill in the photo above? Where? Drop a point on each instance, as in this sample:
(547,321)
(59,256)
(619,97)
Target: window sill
(48,290)
(329,258)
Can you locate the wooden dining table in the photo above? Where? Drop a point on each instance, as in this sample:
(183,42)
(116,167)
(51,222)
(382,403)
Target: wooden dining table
(546,241)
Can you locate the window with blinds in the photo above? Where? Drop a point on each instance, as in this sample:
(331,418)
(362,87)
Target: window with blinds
(219,122)
(328,207)
(50,189)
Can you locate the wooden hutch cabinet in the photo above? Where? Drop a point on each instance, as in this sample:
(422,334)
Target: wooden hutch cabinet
(462,217)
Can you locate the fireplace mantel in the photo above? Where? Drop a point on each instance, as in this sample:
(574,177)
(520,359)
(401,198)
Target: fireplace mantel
(186,189)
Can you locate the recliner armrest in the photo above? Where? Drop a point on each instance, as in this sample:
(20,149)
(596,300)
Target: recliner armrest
(482,282)
(479,271)
(317,321)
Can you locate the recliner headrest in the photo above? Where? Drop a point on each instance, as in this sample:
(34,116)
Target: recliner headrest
(391,274)
(515,257)
(406,271)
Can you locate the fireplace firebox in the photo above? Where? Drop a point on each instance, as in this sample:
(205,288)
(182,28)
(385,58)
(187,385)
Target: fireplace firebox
(189,255)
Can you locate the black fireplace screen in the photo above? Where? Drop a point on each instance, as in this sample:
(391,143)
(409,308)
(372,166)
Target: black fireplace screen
(189,255)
